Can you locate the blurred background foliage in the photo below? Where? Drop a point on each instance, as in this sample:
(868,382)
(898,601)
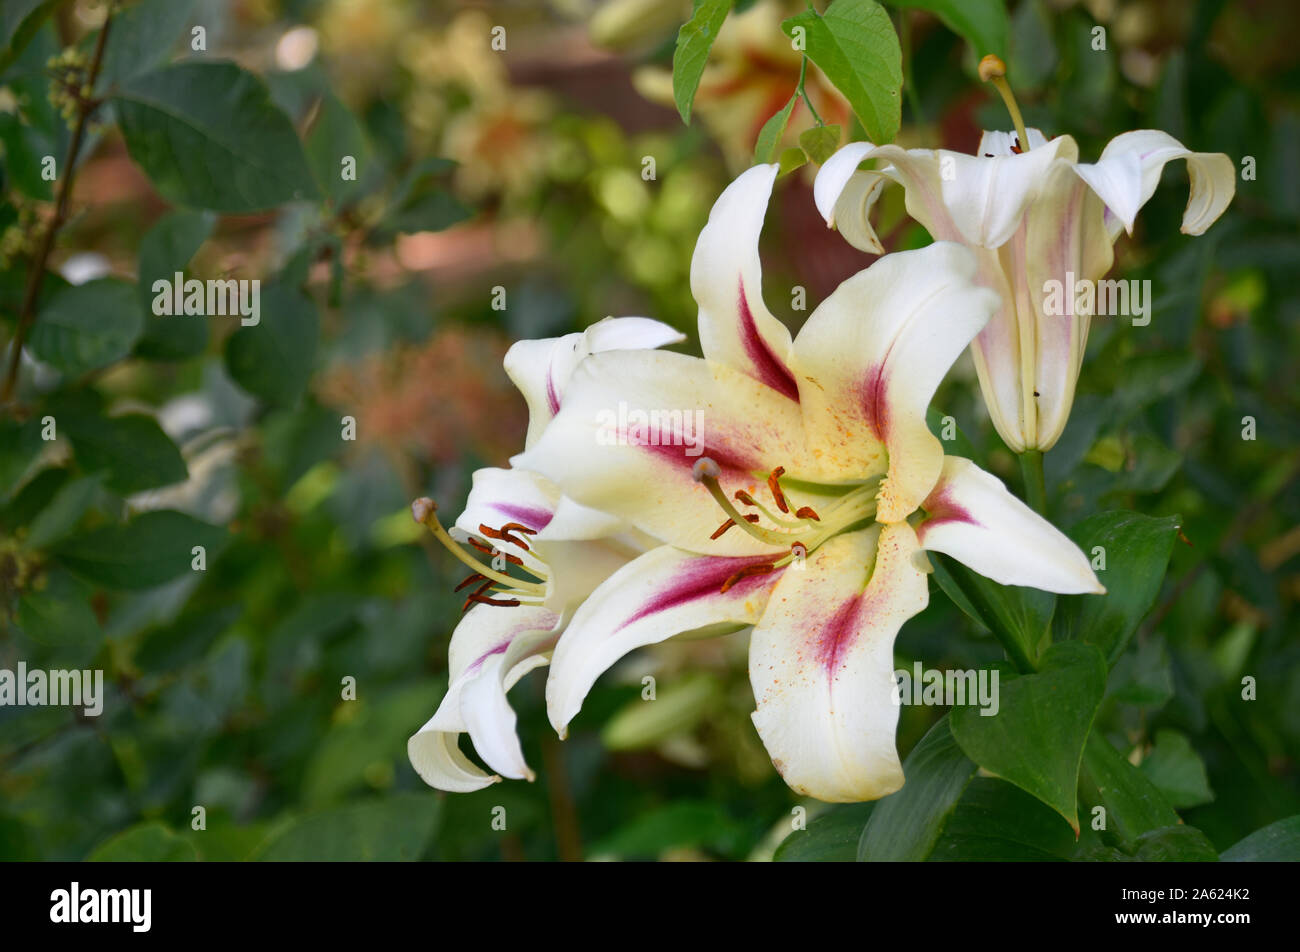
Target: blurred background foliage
(523,170)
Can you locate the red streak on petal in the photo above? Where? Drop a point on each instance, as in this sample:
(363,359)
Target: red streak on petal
(875,403)
(702,578)
(941,508)
(839,633)
(768,368)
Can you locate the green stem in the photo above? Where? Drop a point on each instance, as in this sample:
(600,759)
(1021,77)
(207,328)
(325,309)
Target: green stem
(1031,466)
(803,72)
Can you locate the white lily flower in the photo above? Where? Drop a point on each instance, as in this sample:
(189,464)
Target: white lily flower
(831,428)
(562,551)
(1031,217)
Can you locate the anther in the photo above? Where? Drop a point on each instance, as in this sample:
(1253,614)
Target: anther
(757,568)
(774,484)
(503,534)
(806,512)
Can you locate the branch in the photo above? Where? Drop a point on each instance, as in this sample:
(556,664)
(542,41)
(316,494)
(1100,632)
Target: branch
(27,312)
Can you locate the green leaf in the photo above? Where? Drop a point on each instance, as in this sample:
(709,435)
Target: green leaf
(1036,738)
(20,445)
(679,705)
(63,512)
(820,142)
(391,829)
(141,37)
(19,22)
(769,137)
(982,23)
(58,614)
(1018,617)
(1277,842)
(132,450)
(1136,550)
(1175,844)
(274,358)
(905,826)
(166,249)
(152,548)
(694,40)
(831,837)
(791,159)
(854,44)
(685,824)
(1133,804)
(1177,771)
(208,136)
(87,326)
(1143,678)
(336,134)
(148,842)
(997,822)
(423,201)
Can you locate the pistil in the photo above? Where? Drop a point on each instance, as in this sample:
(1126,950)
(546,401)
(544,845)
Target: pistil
(993,70)
(516,591)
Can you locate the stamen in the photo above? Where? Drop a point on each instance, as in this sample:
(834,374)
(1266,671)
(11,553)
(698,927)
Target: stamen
(774,484)
(424,510)
(806,512)
(705,471)
(503,534)
(718,532)
(756,568)
(993,70)
(749,500)
(475,595)
(469,580)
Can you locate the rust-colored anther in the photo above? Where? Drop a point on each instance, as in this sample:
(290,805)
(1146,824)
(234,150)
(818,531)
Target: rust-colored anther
(757,568)
(806,512)
(721,530)
(503,534)
(469,580)
(476,595)
(799,550)
(518,527)
(774,484)
(744,498)
(499,602)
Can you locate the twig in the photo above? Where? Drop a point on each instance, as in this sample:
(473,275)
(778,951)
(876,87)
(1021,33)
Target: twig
(27,312)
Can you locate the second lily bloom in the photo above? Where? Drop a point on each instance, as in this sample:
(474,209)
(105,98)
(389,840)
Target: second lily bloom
(1031,214)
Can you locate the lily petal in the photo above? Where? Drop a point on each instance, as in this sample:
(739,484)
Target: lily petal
(663,593)
(1127,174)
(633,427)
(1065,238)
(987,197)
(821,664)
(736,328)
(540,369)
(478,646)
(872,355)
(971,517)
(489,718)
(841,191)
